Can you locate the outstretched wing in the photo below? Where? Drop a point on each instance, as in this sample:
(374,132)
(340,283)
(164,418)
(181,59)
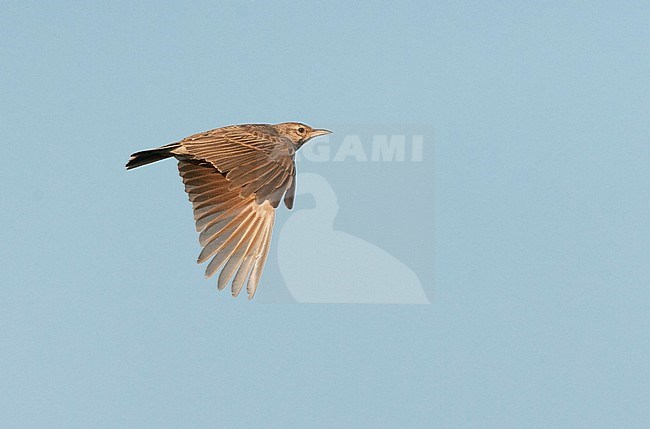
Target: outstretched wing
(235,229)
(255,159)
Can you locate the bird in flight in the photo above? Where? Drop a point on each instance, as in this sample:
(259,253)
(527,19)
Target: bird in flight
(235,177)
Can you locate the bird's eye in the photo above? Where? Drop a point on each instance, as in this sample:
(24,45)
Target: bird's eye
(301,130)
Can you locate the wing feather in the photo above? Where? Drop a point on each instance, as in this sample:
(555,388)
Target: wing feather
(234,230)
(237,257)
(291,193)
(247,264)
(251,157)
(218,243)
(260,260)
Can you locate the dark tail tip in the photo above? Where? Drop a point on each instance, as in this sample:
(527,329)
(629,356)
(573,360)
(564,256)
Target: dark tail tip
(145,157)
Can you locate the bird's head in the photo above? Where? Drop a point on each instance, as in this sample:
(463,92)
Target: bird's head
(299,133)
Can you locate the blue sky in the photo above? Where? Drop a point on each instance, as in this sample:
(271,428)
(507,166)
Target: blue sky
(532,212)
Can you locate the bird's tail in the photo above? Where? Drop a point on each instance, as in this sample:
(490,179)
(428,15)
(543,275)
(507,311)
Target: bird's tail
(150,155)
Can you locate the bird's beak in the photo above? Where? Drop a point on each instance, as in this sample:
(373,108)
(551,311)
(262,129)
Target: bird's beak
(316,133)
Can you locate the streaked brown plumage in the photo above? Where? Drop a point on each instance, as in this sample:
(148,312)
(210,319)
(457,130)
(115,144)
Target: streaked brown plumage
(235,177)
